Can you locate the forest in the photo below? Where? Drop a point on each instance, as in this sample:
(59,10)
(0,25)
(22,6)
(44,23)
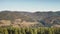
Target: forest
(40,22)
(39,30)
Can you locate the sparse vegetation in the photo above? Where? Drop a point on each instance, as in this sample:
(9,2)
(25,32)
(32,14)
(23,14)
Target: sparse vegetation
(44,19)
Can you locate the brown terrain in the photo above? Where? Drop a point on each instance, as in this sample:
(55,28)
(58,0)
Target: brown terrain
(28,19)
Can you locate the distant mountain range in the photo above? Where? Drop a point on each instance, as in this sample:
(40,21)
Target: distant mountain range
(40,19)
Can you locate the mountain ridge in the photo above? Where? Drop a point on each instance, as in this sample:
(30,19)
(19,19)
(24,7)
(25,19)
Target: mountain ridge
(44,19)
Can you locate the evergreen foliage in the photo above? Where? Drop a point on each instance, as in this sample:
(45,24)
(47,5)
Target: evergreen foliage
(40,30)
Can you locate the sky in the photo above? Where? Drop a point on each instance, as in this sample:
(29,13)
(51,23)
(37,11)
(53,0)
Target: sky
(30,5)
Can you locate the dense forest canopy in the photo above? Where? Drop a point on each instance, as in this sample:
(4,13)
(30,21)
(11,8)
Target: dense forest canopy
(40,30)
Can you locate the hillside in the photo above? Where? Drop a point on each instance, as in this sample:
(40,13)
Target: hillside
(28,19)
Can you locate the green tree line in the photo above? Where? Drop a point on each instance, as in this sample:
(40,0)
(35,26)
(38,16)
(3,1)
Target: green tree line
(40,30)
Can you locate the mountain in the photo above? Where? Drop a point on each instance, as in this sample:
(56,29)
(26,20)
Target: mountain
(28,19)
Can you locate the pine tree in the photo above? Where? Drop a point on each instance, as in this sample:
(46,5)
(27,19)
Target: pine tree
(50,31)
(35,31)
(31,31)
(5,31)
(38,31)
(42,30)
(16,31)
(23,30)
(19,31)
(1,31)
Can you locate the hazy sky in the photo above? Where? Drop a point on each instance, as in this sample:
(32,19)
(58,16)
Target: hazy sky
(30,5)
